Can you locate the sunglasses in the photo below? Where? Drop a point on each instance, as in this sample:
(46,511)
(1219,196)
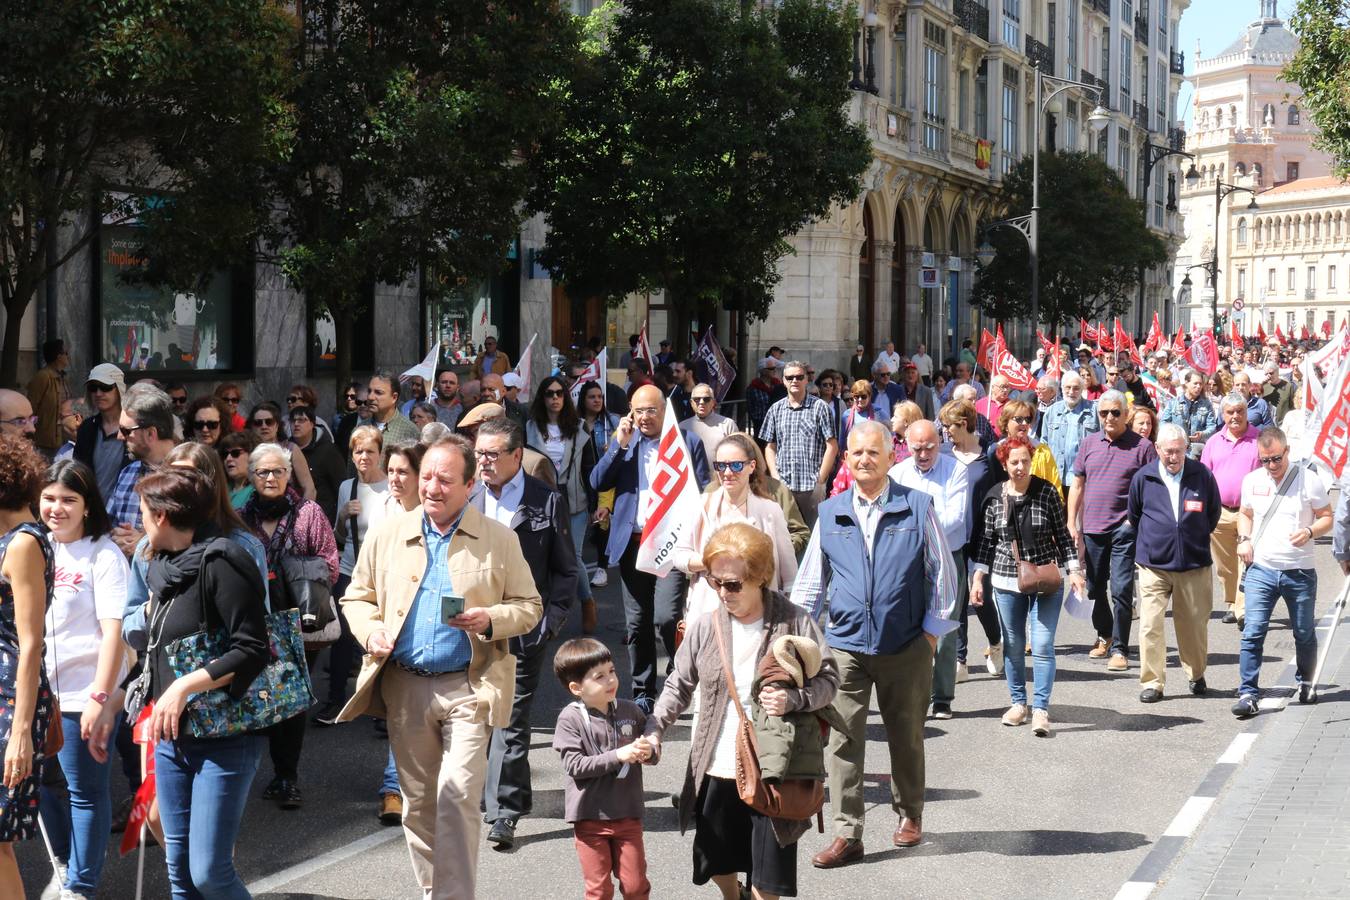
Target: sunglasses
(735,465)
(236,453)
(700,399)
(264,423)
(179,401)
(730,586)
(349,395)
(794,377)
(232,400)
(128,432)
(1113,413)
(553,393)
(295,398)
(98,387)
(1022,420)
(205,425)
(1271,460)
(1111,373)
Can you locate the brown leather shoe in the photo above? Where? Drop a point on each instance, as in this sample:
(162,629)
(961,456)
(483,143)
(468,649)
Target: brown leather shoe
(391,809)
(589,617)
(1099,649)
(841,852)
(910,832)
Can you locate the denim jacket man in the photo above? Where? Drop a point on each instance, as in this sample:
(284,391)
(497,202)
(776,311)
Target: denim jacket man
(1194,412)
(1066,423)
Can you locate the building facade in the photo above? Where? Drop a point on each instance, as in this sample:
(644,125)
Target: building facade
(1249,132)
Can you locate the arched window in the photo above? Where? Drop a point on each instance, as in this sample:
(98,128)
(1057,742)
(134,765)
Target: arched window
(1293,114)
(1218,117)
(1242,232)
(1239,169)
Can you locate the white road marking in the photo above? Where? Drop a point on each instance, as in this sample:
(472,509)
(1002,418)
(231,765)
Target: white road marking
(1135,890)
(280,879)
(1237,750)
(1189,818)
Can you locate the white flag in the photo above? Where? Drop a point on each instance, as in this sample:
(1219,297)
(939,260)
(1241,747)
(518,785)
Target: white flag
(426,368)
(523,369)
(671,499)
(595,371)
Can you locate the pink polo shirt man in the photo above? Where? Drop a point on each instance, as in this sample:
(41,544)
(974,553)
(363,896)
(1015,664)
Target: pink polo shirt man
(1230,459)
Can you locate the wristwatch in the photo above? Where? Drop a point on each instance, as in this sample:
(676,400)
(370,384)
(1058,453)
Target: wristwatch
(99,697)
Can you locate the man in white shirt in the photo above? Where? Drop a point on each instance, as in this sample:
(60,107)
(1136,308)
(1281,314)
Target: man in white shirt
(706,422)
(889,357)
(924,363)
(941,477)
(1283,509)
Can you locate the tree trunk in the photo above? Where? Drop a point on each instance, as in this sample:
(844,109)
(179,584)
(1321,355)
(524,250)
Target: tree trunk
(15,307)
(344,323)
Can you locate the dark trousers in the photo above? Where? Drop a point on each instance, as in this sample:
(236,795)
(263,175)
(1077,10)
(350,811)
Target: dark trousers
(808,502)
(344,651)
(1110,565)
(647,611)
(988,616)
(506,793)
(286,739)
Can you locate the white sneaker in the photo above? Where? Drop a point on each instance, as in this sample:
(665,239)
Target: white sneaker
(993,660)
(56,887)
(599,579)
(962,673)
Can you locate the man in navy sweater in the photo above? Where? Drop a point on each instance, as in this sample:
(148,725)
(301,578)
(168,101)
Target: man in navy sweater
(1174,508)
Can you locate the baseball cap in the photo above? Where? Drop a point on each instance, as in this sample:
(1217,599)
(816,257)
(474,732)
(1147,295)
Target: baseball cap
(512,380)
(769,362)
(481,413)
(907,363)
(107,373)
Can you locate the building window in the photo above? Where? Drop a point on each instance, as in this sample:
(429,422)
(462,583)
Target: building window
(1331,278)
(934,87)
(1071,125)
(1071,42)
(1312,279)
(982,100)
(1162,99)
(898,64)
(1126,74)
(1242,282)
(145,328)
(1127,10)
(458,314)
(1293,280)
(1123,154)
(1012,24)
(1291,171)
(963,101)
(1242,232)
(1311,320)
(1293,114)
(1011,102)
(1270,281)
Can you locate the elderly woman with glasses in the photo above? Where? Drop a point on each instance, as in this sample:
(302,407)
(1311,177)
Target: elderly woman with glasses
(1015,421)
(288,525)
(269,424)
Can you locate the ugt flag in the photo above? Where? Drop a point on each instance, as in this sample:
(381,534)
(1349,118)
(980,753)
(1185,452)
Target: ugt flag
(711,366)
(593,372)
(672,499)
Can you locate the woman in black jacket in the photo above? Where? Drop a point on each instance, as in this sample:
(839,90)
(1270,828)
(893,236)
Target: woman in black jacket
(200,581)
(1026,509)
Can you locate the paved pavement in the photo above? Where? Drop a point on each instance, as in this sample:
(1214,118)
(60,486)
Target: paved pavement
(1009,815)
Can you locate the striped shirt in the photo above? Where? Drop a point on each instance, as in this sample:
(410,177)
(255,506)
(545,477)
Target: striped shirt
(1107,467)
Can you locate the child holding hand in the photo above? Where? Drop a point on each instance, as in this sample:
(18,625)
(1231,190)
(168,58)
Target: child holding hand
(600,739)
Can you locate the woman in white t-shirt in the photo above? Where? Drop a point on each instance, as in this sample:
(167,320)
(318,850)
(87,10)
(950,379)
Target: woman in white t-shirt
(362,503)
(86,660)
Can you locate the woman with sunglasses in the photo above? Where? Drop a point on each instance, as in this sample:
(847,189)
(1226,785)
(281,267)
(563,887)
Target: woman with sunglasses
(599,424)
(98,442)
(554,430)
(86,661)
(1014,421)
(860,407)
(269,425)
(740,496)
(208,420)
(234,449)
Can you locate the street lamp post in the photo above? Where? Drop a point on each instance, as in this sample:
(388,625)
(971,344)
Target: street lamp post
(1222,190)
(1030,225)
(1153,154)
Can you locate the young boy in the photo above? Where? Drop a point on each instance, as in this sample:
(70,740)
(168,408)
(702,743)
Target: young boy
(602,750)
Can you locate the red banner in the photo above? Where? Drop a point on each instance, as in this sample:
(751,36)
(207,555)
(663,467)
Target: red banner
(1006,364)
(982,355)
(1087,332)
(1234,336)
(1203,355)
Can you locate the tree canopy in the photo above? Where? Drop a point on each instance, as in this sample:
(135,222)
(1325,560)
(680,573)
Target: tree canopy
(699,135)
(1319,68)
(1092,240)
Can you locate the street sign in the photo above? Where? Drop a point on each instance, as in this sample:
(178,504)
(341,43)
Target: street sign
(928,278)
(1238,303)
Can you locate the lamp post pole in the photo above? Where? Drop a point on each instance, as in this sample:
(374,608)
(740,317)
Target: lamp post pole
(1153,154)
(1221,191)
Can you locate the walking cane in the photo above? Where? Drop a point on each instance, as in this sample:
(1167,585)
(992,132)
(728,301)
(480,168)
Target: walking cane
(51,852)
(140,863)
(1337,610)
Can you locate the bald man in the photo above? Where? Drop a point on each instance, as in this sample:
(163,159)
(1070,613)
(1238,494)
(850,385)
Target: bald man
(16,415)
(494,389)
(648,603)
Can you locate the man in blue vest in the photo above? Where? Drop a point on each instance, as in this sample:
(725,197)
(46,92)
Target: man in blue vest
(879,557)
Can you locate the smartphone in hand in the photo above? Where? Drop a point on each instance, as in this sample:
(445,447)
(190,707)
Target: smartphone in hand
(451,606)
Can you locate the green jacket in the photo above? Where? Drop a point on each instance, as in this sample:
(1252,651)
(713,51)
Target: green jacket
(793,745)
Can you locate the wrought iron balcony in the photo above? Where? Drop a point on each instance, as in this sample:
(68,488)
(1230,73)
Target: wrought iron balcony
(1178,64)
(1141,115)
(973,17)
(1040,55)
(1141,30)
(1102,6)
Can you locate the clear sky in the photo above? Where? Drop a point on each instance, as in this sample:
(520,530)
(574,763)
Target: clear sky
(1216,23)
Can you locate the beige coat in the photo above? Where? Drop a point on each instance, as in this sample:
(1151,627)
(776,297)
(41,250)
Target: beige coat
(487,568)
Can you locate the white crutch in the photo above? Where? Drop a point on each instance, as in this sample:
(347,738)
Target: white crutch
(1337,610)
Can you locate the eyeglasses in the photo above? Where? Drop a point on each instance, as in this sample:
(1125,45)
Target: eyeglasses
(295,398)
(71,415)
(730,586)
(21,421)
(797,377)
(1111,373)
(268,474)
(179,400)
(735,465)
(700,399)
(1113,413)
(1272,460)
(264,423)
(234,401)
(128,432)
(555,393)
(350,395)
(236,453)
(489,455)
(644,412)
(860,397)
(205,424)
(98,387)
(295,420)
(1022,420)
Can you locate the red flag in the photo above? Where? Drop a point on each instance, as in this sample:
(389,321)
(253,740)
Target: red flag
(1279,335)
(1303,332)
(1006,364)
(982,357)
(1179,342)
(1046,344)
(1002,341)
(1234,336)
(145,795)
(1052,365)
(1123,341)
(1326,329)
(1261,333)
(1104,341)
(644,347)
(1203,355)
(1086,332)
(1155,335)
(1331,421)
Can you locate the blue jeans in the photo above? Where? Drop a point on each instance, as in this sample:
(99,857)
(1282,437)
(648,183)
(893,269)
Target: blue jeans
(389,780)
(1014,608)
(579,523)
(81,826)
(1110,567)
(1264,586)
(203,785)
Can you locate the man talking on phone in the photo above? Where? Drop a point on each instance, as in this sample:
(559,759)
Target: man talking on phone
(538,515)
(436,596)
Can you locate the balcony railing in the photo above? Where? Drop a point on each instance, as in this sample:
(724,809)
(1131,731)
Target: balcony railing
(1178,64)
(1176,138)
(1089,78)
(1102,6)
(973,17)
(1141,30)
(1040,55)
(1141,115)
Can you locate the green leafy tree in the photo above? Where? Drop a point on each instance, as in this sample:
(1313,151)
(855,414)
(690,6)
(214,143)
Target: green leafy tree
(699,136)
(1319,68)
(1093,241)
(174,98)
(413,122)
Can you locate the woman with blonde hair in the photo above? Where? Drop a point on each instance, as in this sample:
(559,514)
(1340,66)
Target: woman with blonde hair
(1015,421)
(740,497)
(859,407)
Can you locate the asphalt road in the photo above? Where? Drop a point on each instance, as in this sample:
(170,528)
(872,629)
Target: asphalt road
(1009,815)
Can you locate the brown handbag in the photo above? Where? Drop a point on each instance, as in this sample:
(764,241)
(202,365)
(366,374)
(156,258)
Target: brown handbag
(1045,578)
(792,798)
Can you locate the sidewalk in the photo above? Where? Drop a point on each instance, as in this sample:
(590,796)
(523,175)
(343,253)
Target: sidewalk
(1282,827)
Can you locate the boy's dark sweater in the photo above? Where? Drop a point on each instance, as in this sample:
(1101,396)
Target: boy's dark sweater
(598,785)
